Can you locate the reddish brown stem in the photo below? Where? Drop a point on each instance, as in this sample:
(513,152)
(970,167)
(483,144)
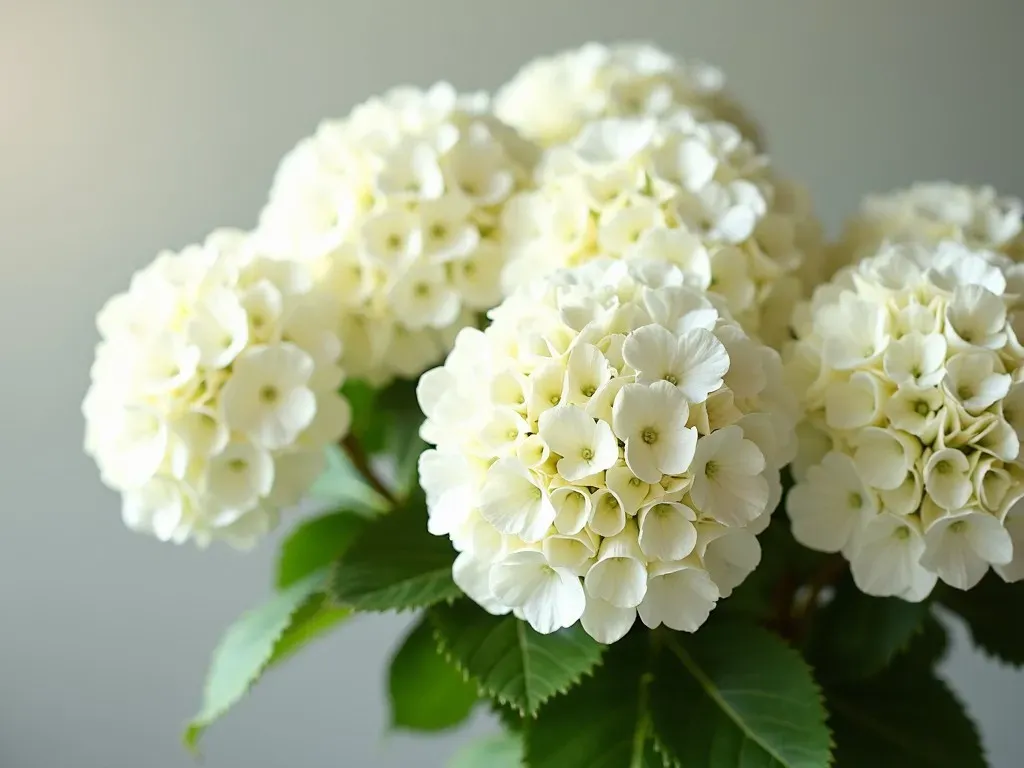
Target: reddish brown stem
(359,460)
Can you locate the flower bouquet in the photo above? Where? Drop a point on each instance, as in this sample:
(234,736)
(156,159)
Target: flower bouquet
(573,374)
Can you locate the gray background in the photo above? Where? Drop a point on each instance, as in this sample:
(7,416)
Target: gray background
(128,126)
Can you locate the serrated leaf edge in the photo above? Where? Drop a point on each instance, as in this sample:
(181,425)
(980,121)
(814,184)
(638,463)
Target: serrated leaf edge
(485,692)
(194,730)
(396,609)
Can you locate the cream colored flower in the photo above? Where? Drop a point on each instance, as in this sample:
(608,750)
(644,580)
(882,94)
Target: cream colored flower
(214,391)
(906,364)
(591,461)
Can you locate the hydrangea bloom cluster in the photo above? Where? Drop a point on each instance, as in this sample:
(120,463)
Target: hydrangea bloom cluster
(609,446)
(552,98)
(931,212)
(398,208)
(692,193)
(214,391)
(911,366)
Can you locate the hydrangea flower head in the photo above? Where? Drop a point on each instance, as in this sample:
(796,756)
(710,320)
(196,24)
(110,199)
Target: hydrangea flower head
(608,447)
(398,207)
(214,391)
(693,193)
(552,98)
(931,212)
(911,369)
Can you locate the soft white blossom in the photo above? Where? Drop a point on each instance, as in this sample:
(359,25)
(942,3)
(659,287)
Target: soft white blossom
(694,194)
(398,208)
(592,462)
(553,97)
(906,363)
(930,212)
(215,390)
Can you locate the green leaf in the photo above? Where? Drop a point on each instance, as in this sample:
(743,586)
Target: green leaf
(928,647)
(427,693)
(511,662)
(857,635)
(316,616)
(903,717)
(511,719)
(314,544)
(402,417)
(990,610)
(342,485)
(502,750)
(365,414)
(395,564)
(604,721)
(260,638)
(735,696)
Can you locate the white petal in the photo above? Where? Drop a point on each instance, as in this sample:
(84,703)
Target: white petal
(607,517)
(731,557)
(606,623)
(572,509)
(1014,570)
(704,359)
(619,576)
(880,458)
(679,597)
(549,598)
(666,531)
(512,502)
(472,576)
(886,560)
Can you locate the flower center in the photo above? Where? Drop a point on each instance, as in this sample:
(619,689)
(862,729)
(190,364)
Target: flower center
(672,379)
(964,392)
(555,399)
(393,242)
(922,408)
(588,390)
(710,469)
(856,501)
(269,394)
(902,533)
(943,467)
(421,290)
(957,527)
(438,231)
(649,435)
(239,465)
(587,454)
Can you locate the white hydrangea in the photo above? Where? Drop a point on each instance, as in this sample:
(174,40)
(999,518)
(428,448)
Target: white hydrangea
(695,194)
(609,446)
(398,208)
(214,391)
(930,212)
(552,98)
(912,374)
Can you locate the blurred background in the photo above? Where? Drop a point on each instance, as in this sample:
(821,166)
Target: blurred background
(127,127)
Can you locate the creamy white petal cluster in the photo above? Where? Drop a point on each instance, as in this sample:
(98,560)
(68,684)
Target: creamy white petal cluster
(912,373)
(695,194)
(397,207)
(930,212)
(552,98)
(610,446)
(214,391)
